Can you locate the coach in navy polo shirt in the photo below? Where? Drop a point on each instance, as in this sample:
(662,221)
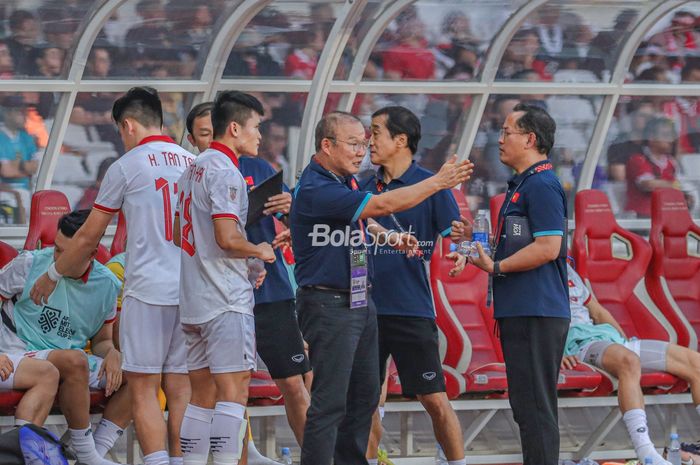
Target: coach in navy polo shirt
(406,319)
(278,337)
(334,304)
(530,292)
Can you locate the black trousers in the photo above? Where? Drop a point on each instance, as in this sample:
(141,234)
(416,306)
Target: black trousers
(344,355)
(533,348)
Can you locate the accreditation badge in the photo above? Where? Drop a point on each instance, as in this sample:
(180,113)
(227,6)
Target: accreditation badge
(358,278)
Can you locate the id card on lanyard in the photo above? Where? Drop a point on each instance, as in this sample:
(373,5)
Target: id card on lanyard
(358,266)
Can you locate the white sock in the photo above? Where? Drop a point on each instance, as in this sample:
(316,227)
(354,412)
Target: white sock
(177,461)
(457,462)
(106,434)
(381,413)
(84,447)
(636,423)
(194,435)
(372,461)
(20,422)
(157,458)
(228,429)
(256,458)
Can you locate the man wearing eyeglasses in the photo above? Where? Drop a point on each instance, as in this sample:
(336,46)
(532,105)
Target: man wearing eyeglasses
(331,237)
(530,287)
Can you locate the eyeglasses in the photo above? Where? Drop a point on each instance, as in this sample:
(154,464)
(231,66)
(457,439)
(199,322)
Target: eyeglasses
(505,133)
(354,146)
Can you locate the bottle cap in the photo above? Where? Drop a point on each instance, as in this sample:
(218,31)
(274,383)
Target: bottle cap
(453,247)
(285,450)
(674,436)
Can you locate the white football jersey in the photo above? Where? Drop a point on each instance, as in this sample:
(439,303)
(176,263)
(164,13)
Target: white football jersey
(211,281)
(143,184)
(579,296)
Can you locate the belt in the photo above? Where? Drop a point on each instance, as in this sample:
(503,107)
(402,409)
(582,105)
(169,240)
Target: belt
(330,289)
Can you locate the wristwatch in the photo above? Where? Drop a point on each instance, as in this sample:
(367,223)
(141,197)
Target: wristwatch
(497,268)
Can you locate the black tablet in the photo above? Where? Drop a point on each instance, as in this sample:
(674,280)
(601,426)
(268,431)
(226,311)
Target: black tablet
(259,195)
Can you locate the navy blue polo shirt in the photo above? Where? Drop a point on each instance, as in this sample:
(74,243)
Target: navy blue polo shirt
(325,227)
(393,270)
(276,286)
(542,291)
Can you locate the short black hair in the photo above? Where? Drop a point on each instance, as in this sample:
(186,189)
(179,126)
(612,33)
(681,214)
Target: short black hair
(536,119)
(141,104)
(71,222)
(18,17)
(233,105)
(401,120)
(325,128)
(199,110)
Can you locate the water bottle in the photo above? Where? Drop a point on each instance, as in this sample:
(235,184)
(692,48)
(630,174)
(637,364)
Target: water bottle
(674,450)
(286,456)
(648,461)
(480,232)
(440,458)
(463,248)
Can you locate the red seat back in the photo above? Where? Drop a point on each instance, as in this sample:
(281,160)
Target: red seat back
(462,314)
(673,278)
(119,240)
(48,206)
(495,206)
(7,253)
(616,275)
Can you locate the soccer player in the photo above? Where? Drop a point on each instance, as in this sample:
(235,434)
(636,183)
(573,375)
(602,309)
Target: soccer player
(142,183)
(82,310)
(278,336)
(215,294)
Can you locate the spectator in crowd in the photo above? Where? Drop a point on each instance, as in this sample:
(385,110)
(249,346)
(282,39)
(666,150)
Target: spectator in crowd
(321,13)
(653,168)
(48,61)
(550,32)
(687,110)
(630,141)
(60,32)
(596,338)
(24,36)
(7,66)
(492,169)
(148,41)
(190,22)
(302,62)
(17,150)
(609,40)
(99,63)
(458,45)
(656,73)
(678,40)
(521,54)
(410,58)
(273,144)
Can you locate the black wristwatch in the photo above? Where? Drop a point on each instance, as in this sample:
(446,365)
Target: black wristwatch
(497,269)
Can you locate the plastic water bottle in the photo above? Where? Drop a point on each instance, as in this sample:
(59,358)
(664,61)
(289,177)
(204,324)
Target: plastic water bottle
(674,450)
(587,461)
(286,456)
(648,461)
(480,232)
(440,458)
(463,248)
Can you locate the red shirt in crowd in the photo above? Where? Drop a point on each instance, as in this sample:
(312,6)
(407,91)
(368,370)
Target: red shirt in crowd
(410,62)
(641,168)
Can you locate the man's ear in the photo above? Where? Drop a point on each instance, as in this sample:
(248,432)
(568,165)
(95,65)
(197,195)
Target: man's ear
(190,139)
(401,140)
(234,128)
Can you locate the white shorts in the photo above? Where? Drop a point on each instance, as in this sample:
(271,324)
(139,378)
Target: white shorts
(225,344)
(94,365)
(151,338)
(651,353)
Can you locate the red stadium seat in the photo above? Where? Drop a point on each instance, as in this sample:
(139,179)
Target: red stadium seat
(673,278)
(263,390)
(48,207)
(613,262)
(119,240)
(7,253)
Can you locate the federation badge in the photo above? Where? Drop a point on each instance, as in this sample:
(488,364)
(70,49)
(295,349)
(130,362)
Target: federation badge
(232,193)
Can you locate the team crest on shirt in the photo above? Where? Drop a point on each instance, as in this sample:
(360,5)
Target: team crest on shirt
(232,192)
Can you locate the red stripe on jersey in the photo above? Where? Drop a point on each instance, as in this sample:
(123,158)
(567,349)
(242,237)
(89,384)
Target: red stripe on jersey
(588,299)
(110,321)
(104,209)
(225,150)
(156,138)
(229,216)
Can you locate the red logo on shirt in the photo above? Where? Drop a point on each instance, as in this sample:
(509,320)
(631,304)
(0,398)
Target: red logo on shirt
(515,198)
(544,167)
(249,181)
(571,283)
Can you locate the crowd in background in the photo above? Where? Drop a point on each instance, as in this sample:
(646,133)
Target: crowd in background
(164,39)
